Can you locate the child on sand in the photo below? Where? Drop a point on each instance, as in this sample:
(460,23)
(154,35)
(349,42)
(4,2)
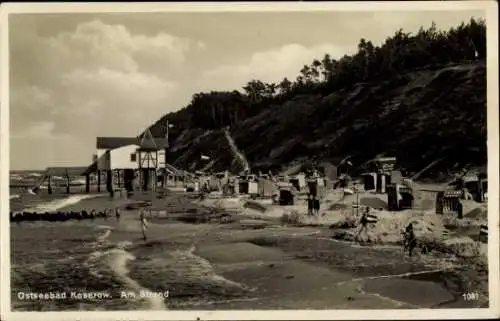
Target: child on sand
(144,224)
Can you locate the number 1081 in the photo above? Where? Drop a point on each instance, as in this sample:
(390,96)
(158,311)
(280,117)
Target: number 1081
(470,296)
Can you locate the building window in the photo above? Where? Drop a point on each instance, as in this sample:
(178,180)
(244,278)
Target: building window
(133,157)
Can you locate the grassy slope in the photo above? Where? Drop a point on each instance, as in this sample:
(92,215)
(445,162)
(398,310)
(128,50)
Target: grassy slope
(417,117)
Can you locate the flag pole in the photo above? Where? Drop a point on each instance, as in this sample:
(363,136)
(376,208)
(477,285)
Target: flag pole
(357,199)
(166,147)
(166,137)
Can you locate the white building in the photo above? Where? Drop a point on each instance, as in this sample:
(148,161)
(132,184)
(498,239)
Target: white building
(120,157)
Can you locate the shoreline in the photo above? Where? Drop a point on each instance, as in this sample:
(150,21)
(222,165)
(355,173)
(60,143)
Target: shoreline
(219,238)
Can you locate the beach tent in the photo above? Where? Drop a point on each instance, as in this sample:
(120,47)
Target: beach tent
(266,187)
(329,170)
(213,183)
(399,197)
(253,188)
(242,186)
(396,177)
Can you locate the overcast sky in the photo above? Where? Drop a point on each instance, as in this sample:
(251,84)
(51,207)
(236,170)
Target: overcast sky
(78,76)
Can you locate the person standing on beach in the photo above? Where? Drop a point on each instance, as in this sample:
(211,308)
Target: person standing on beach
(144,224)
(411,240)
(316,206)
(364,224)
(310,205)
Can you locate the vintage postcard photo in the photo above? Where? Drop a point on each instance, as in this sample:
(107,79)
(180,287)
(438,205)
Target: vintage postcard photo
(250,161)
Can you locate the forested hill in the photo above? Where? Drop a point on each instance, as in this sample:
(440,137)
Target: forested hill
(418,97)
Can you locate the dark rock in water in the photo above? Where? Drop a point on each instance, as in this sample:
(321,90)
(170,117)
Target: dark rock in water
(271,265)
(289,277)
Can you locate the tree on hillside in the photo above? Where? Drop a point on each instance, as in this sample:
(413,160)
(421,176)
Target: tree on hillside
(399,54)
(270,90)
(315,70)
(285,86)
(255,90)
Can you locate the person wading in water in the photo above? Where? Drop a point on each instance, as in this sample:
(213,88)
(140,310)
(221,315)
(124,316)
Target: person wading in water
(117,214)
(144,224)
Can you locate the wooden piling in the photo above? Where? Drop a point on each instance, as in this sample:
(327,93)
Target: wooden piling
(109,182)
(118,179)
(67,184)
(49,185)
(145,179)
(98,181)
(87,183)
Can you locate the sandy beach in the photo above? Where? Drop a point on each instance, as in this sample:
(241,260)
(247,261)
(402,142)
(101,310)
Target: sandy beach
(194,260)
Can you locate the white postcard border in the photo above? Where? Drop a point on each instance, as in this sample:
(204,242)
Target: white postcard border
(491,10)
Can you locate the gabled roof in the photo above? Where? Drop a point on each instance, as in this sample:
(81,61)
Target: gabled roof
(117,142)
(147,141)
